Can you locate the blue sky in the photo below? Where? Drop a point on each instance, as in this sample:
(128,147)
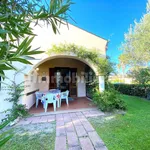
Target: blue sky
(109,19)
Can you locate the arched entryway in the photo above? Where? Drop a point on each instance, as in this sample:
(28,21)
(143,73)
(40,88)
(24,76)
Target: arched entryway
(46,58)
(46,72)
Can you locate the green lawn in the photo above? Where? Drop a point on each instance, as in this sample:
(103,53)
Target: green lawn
(32,137)
(128,132)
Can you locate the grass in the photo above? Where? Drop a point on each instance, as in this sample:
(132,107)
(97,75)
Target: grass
(128,132)
(32,137)
(27,142)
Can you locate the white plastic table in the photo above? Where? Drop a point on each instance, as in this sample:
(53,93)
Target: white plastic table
(55,92)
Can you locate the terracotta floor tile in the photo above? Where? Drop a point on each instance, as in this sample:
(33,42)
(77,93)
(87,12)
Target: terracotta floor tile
(77,103)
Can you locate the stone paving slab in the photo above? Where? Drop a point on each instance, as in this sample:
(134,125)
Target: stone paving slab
(86,112)
(76,121)
(102,148)
(51,118)
(60,143)
(88,127)
(96,113)
(96,140)
(23,122)
(44,119)
(72,115)
(59,117)
(82,119)
(36,120)
(60,123)
(72,139)
(93,113)
(69,127)
(81,131)
(29,119)
(79,114)
(75,148)
(86,144)
(60,131)
(66,118)
(73,130)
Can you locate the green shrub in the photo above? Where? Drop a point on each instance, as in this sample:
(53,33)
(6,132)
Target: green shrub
(134,89)
(19,111)
(108,100)
(15,92)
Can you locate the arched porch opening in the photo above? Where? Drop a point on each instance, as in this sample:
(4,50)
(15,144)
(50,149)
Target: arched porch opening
(46,72)
(48,58)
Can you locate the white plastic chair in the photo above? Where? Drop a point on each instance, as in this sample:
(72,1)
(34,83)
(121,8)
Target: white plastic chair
(39,96)
(64,95)
(49,99)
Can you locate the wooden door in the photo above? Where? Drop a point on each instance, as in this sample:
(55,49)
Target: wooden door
(52,79)
(73,83)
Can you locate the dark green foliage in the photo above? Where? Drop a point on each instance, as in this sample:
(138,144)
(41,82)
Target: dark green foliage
(19,110)
(108,100)
(133,89)
(4,123)
(4,140)
(5,136)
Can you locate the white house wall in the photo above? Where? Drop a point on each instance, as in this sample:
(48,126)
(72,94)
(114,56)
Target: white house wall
(46,38)
(4,105)
(31,85)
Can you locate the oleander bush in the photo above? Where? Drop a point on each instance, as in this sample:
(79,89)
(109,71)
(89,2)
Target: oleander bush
(108,100)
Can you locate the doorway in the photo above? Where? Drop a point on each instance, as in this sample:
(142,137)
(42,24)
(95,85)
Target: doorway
(64,78)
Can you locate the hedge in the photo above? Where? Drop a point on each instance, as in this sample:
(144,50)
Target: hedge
(134,90)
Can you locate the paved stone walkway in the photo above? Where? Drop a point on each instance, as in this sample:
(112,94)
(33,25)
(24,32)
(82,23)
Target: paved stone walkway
(73,130)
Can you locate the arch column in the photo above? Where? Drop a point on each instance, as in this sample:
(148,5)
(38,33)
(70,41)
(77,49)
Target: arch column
(101,81)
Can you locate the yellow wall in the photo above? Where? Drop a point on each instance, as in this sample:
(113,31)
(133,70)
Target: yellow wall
(62,62)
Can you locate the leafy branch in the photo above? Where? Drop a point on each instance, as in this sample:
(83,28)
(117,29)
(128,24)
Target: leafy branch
(104,66)
(16,33)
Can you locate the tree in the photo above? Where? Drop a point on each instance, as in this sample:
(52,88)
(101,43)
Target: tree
(16,33)
(140,75)
(136,45)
